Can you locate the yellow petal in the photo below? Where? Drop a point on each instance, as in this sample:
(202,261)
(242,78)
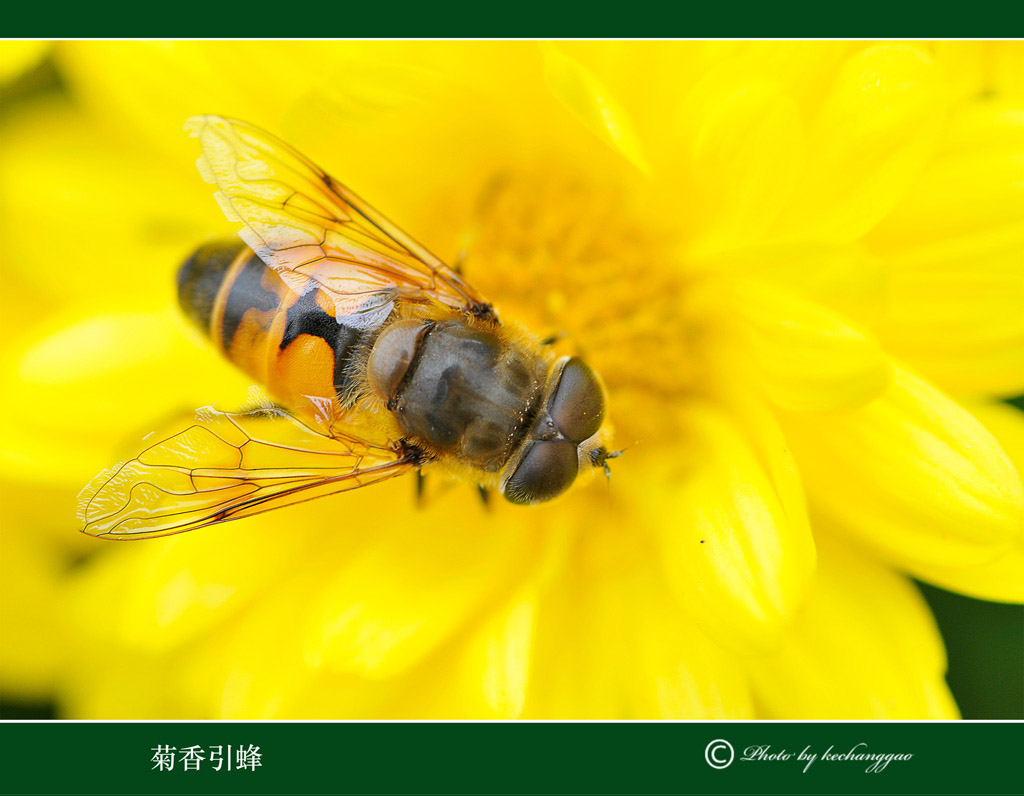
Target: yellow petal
(17,57)
(120,371)
(205,601)
(960,320)
(877,127)
(402,123)
(33,640)
(804,356)
(117,81)
(415,585)
(649,78)
(971,190)
(609,643)
(499,654)
(594,635)
(115,221)
(954,248)
(1002,579)
(479,674)
(740,151)
(963,64)
(983,69)
(1008,70)
(842,278)
(244,672)
(730,521)
(1006,424)
(592,103)
(108,683)
(39,548)
(864,647)
(482,674)
(157,597)
(806,68)
(275,83)
(913,475)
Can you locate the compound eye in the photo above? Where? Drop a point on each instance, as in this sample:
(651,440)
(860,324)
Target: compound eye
(577,406)
(546,470)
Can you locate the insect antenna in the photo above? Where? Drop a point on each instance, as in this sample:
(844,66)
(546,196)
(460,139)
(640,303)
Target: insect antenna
(600,457)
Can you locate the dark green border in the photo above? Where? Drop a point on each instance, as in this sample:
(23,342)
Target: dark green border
(869,19)
(507,758)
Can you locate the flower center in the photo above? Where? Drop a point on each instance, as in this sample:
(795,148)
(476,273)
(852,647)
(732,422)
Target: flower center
(563,256)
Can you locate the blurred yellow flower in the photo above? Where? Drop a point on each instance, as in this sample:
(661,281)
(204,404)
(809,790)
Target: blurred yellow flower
(797,267)
(17,57)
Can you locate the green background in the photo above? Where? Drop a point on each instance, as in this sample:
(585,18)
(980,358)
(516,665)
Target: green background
(506,758)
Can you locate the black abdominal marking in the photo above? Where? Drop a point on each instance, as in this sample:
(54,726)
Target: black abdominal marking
(306,316)
(200,277)
(246,293)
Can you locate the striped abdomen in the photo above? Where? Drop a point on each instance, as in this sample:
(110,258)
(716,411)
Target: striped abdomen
(292,345)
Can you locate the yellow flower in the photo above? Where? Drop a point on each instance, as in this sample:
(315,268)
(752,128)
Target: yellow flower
(797,268)
(17,57)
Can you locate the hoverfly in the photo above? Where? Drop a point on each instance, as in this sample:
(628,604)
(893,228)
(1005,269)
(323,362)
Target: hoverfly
(382,360)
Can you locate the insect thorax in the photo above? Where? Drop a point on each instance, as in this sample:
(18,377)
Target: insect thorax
(460,389)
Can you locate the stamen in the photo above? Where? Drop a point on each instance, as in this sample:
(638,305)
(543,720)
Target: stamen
(565,252)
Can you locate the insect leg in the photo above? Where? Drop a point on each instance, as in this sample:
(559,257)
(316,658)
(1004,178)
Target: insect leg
(485,495)
(554,338)
(421,488)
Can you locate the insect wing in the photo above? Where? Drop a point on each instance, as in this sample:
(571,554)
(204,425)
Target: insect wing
(224,466)
(315,232)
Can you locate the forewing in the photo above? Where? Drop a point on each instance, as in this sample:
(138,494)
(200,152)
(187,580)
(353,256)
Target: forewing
(315,232)
(224,466)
